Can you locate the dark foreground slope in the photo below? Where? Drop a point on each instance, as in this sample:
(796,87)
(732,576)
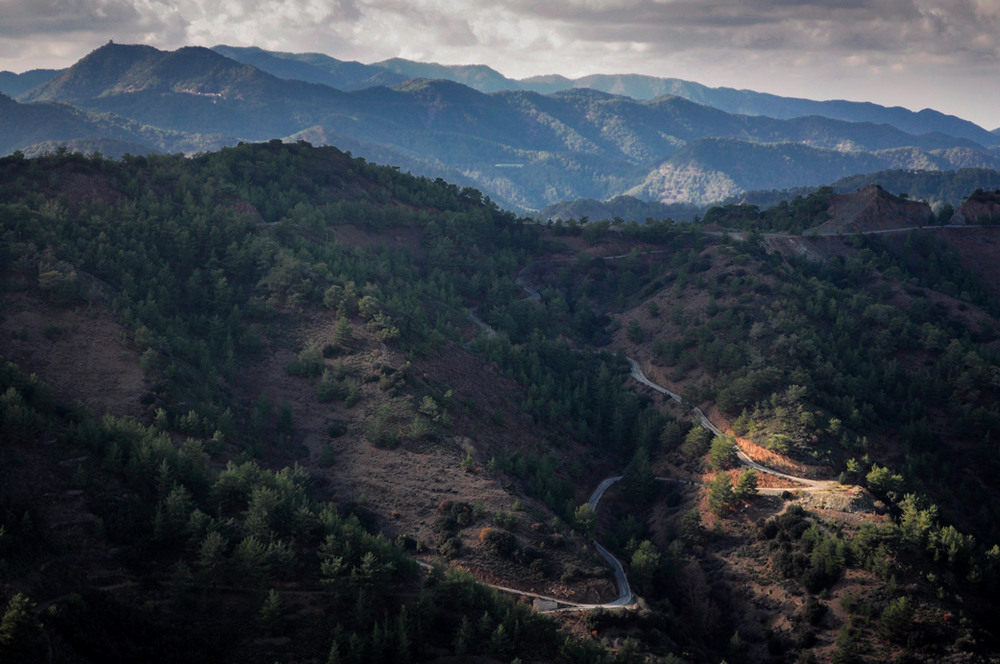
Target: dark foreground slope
(232,417)
(243,393)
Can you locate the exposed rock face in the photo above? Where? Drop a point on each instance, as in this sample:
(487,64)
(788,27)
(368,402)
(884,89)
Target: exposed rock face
(982,207)
(873,209)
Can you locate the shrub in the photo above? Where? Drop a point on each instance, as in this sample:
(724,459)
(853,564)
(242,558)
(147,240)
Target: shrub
(499,543)
(306,364)
(897,620)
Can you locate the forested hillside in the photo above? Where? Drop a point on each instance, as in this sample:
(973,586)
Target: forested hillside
(278,403)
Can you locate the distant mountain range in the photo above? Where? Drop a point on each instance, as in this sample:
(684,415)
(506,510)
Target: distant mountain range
(318,68)
(527,143)
(14,85)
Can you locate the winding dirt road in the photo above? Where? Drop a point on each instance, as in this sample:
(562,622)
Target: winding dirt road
(626,598)
(635,371)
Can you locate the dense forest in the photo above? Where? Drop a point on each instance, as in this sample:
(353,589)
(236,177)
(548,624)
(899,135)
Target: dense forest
(209,519)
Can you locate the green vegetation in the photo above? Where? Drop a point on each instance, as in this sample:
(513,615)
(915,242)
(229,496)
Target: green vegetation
(205,262)
(787,216)
(878,365)
(242,529)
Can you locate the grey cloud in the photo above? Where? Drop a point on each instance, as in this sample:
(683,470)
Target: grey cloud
(779,42)
(876,26)
(28,18)
(814,24)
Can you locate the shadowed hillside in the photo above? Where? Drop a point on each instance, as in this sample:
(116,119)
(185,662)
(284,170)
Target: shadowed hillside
(278,403)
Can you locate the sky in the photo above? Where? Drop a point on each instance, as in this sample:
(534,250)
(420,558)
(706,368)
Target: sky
(918,54)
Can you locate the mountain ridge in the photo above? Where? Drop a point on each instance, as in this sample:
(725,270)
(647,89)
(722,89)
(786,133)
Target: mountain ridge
(733,100)
(522,147)
(312,68)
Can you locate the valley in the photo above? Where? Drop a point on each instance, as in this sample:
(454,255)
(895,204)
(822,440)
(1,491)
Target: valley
(243,393)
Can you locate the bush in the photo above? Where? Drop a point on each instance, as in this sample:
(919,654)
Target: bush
(327,457)
(330,388)
(451,547)
(746,485)
(499,543)
(306,364)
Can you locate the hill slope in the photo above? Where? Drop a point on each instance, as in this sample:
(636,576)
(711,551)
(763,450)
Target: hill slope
(749,102)
(192,89)
(714,169)
(313,68)
(26,126)
(261,389)
(13,85)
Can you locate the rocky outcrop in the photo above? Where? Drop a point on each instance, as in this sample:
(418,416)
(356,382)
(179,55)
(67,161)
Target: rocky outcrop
(982,207)
(872,208)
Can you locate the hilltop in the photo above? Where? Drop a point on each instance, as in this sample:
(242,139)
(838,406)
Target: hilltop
(873,209)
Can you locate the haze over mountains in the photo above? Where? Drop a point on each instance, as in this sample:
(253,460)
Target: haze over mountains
(527,143)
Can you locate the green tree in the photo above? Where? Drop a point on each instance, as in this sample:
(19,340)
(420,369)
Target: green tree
(464,637)
(883,482)
(846,650)
(672,435)
(917,520)
(692,530)
(645,565)
(722,453)
(720,493)
(696,442)
(639,481)
(343,333)
(22,640)
(269,617)
(634,331)
(746,485)
(896,621)
(584,519)
(211,559)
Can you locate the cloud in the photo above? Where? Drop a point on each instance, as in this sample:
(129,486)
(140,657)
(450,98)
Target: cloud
(837,27)
(52,18)
(803,44)
(589,28)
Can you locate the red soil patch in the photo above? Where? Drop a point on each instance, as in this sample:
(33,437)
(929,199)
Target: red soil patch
(84,356)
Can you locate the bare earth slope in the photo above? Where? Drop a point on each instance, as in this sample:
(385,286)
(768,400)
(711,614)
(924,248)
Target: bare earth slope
(85,356)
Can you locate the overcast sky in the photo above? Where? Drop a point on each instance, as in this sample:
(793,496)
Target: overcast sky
(914,53)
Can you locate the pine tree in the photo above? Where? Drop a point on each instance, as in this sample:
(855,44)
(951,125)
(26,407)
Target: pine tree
(897,620)
(722,454)
(720,495)
(746,485)
(584,519)
(21,637)
(269,616)
(464,637)
(639,481)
